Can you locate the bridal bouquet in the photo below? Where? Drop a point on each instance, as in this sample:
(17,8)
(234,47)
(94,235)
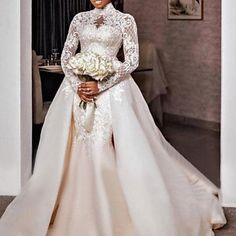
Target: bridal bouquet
(90,66)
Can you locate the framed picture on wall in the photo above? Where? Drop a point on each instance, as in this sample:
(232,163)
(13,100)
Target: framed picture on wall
(185,9)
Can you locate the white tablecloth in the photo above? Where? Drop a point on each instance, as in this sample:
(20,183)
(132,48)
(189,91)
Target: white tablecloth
(152,82)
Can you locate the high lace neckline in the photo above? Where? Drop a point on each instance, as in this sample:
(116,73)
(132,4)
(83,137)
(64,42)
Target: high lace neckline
(109,7)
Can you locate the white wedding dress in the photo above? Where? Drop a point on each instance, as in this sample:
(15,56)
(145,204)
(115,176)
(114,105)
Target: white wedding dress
(121,179)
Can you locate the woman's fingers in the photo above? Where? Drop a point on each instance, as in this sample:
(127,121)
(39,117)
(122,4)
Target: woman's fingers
(88,92)
(88,84)
(90,87)
(86,97)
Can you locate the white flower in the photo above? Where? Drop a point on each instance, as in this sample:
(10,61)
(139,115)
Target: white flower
(92,64)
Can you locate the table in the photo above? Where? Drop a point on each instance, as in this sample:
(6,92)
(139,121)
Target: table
(56,69)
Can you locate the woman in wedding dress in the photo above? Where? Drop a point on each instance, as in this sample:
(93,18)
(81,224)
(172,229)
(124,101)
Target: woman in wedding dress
(122,178)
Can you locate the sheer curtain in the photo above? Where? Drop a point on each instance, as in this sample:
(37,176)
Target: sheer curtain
(51,19)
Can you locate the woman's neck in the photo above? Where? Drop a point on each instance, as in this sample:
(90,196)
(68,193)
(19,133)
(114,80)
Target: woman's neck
(105,9)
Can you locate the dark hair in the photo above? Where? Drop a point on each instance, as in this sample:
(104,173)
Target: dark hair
(118,4)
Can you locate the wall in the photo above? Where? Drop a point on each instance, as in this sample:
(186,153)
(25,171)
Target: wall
(26,90)
(15,95)
(190,51)
(228,128)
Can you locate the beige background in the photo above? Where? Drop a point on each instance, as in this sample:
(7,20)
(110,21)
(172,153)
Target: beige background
(190,51)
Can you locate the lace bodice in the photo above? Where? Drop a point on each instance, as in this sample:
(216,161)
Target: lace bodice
(103,31)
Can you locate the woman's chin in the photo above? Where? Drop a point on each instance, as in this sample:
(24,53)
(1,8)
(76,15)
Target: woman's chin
(99,4)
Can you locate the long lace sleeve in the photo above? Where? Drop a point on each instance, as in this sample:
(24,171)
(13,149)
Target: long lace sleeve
(69,50)
(131,54)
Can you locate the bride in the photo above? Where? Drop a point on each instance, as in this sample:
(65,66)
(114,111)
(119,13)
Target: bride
(122,178)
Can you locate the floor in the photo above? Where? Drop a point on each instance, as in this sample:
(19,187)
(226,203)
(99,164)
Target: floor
(202,148)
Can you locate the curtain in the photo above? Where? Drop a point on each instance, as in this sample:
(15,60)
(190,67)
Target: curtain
(51,19)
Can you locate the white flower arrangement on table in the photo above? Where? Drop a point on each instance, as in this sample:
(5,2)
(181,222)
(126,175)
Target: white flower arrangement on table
(90,66)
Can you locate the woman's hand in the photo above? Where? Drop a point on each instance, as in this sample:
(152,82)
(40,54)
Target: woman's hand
(87,91)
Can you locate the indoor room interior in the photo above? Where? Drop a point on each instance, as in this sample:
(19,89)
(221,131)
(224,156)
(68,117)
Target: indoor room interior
(181,75)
